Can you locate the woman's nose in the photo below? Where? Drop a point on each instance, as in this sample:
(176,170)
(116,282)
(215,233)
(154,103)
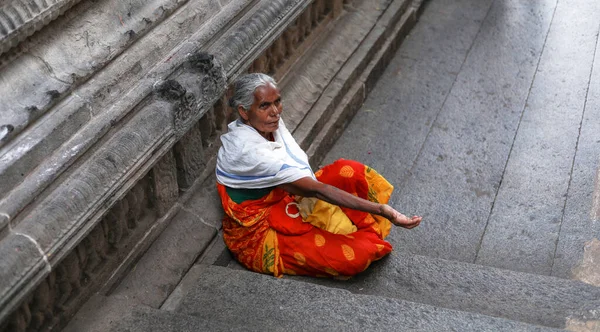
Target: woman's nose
(274,110)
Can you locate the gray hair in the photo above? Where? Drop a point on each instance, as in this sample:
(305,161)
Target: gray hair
(244,87)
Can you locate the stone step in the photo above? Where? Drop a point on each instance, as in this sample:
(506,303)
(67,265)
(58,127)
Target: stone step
(260,302)
(146,319)
(123,313)
(519,296)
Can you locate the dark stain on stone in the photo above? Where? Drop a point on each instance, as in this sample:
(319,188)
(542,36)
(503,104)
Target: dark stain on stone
(147,20)
(131,34)
(136,68)
(170,90)
(75,77)
(201,61)
(54,94)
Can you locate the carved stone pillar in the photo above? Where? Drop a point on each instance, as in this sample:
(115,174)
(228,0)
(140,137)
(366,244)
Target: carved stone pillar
(164,183)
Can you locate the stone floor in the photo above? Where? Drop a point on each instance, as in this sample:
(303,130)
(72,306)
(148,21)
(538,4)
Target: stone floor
(487,121)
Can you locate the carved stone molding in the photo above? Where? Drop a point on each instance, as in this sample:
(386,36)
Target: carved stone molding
(191,90)
(256,34)
(69,51)
(19,19)
(277,59)
(47,148)
(154,141)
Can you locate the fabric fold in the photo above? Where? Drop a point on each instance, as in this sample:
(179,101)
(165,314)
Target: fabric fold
(248,160)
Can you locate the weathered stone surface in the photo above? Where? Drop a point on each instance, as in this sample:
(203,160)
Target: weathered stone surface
(147,319)
(310,113)
(164,183)
(102,313)
(535,299)
(20,19)
(581,218)
(134,121)
(410,128)
(256,34)
(316,71)
(460,166)
(60,215)
(206,203)
(15,163)
(262,302)
(421,74)
(192,90)
(523,228)
(183,288)
(21,261)
(362,69)
(113,92)
(298,37)
(189,154)
(82,42)
(161,268)
(217,253)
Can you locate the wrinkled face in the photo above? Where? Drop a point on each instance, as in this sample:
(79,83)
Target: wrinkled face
(264,113)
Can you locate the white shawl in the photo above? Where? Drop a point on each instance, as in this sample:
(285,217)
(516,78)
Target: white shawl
(248,160)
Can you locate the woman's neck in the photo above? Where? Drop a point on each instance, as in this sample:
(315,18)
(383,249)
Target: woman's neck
(267,136)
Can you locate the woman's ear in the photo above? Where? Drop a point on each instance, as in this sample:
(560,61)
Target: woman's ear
(243,113)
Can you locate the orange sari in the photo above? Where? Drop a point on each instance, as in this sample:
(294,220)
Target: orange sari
(268,235)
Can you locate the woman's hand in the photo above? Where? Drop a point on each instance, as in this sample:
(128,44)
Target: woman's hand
(398,218)
(308,187)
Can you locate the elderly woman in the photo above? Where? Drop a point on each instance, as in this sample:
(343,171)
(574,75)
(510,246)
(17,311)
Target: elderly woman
(280,217)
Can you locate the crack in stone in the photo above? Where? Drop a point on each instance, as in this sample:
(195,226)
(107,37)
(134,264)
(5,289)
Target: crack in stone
(199,217)
(39,248)
(49,68)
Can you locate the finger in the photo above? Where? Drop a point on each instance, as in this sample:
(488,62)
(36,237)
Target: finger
(414,224)
(408,224)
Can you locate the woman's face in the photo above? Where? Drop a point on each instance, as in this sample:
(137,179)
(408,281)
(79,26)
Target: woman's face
(264,113)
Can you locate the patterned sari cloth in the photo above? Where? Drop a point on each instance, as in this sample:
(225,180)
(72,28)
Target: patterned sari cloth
(283,234)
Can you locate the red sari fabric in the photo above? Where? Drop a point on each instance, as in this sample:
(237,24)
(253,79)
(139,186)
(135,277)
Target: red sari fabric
(267,239)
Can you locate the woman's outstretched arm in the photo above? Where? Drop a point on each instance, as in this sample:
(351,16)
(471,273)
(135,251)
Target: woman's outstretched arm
(308,187)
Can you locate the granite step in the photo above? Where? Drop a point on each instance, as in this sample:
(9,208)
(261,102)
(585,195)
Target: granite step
(146,319)
(531,298)
(259,302)
(123,313)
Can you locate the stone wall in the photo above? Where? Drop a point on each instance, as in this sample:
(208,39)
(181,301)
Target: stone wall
(109,114)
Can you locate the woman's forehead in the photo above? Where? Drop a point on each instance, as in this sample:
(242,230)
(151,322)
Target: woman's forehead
(266,93)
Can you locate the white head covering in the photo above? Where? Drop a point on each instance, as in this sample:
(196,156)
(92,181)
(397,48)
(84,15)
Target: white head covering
(248,160)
